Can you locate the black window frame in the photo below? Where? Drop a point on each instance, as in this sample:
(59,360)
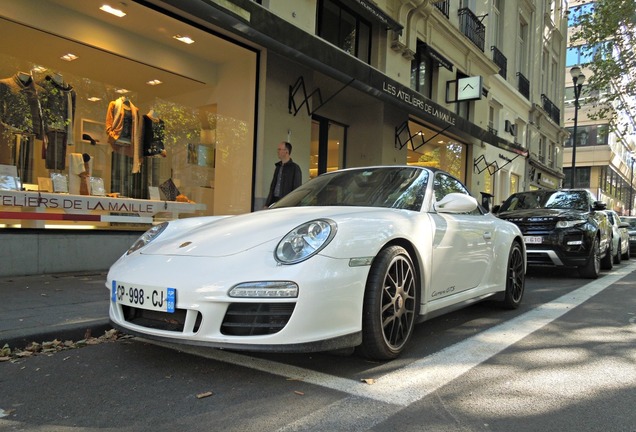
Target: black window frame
(340,42)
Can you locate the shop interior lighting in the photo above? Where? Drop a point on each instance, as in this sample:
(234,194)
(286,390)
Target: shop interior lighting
(111,10)
(154,82)
(69,57)
(122,91)
(93,99)
(185,39)
(38,69)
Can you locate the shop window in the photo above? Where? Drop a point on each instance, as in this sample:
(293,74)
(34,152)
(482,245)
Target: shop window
(433,149)
(327,148)
(155,116)
(344,28)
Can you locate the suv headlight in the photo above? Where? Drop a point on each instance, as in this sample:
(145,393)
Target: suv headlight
(569,223)
(305,240)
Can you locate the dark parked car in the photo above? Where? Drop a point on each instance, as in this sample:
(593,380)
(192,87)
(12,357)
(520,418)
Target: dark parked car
(631,220)
(562,228)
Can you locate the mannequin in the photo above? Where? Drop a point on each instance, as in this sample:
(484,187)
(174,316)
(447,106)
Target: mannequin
(19,106)
(123,128)
(20,122)
(153,135)
(57,99)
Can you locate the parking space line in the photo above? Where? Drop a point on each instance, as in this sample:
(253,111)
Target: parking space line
(420,378)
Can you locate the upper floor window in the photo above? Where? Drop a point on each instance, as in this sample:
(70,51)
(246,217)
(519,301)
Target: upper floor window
(576,12)
(344,28)
(584,54)
(422,71)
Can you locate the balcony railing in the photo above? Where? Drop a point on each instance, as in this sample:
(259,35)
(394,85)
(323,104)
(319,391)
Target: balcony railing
(500,60)
(442,6)
(523,85)
(553,111)
(472,27)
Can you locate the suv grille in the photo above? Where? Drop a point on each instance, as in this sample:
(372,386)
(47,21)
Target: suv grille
(535,224)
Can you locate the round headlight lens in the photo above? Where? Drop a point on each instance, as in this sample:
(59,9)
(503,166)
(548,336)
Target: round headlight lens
(147,237)
(305,241)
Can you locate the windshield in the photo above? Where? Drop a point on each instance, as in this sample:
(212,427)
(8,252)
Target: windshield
(390,187)
(567,200)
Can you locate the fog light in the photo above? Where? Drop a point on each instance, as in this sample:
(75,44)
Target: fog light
(275,289)
(575,243)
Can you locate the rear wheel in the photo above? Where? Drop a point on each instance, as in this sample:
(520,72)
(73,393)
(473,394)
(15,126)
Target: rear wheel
(607,262)
(515,278)
(619,254)
(391,302)
(592,268)
(627,254)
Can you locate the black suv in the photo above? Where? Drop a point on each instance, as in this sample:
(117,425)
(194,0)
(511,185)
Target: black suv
(562,228)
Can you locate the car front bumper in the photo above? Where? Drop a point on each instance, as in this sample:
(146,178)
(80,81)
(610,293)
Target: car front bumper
(327,314)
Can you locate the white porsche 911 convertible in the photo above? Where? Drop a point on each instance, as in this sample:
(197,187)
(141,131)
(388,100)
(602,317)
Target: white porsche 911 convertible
(352,258)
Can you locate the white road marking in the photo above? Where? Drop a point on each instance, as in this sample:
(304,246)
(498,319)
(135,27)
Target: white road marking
(415,381)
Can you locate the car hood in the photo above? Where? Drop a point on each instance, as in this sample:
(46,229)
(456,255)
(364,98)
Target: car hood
(538,214)
(216,237)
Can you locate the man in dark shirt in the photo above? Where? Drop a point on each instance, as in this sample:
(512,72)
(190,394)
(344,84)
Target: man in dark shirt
(287,175)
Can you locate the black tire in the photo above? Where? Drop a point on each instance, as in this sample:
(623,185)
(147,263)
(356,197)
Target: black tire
(592,268)
(619,254)
(627,254)
(515,278)
(607,262)
(391,304)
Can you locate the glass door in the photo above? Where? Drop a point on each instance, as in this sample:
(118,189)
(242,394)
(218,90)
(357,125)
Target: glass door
(328,143)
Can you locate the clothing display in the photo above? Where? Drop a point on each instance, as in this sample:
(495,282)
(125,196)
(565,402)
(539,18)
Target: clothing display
(20,110)
(57,100)
(153,135)
(123,129)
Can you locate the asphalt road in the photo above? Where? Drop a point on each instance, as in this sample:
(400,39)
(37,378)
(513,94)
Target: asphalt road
(565,361)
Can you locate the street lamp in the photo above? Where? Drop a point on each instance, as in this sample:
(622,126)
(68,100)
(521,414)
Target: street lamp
(577,79)
(631,185)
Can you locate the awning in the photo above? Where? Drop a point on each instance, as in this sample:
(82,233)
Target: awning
(373,13)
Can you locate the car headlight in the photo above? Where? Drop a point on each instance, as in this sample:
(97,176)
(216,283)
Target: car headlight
(305,241)
(147,237)
(569,223)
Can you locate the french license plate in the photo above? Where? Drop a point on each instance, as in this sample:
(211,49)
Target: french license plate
(144,297)
(533,239)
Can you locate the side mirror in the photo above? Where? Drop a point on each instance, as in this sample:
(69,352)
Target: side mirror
(496,208)
(599,205)
(623,225)
(456,203)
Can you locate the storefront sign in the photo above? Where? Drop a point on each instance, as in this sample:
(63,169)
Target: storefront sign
(89,204)
(469,88)
(547,181)
(415,99)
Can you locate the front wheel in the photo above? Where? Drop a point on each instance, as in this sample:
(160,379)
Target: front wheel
(592,268)
(391,303)
(515,278)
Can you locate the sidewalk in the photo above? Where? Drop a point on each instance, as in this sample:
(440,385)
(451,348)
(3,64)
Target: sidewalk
(55,306)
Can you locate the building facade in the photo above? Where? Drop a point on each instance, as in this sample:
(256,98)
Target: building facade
(167,108)
(604,158)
